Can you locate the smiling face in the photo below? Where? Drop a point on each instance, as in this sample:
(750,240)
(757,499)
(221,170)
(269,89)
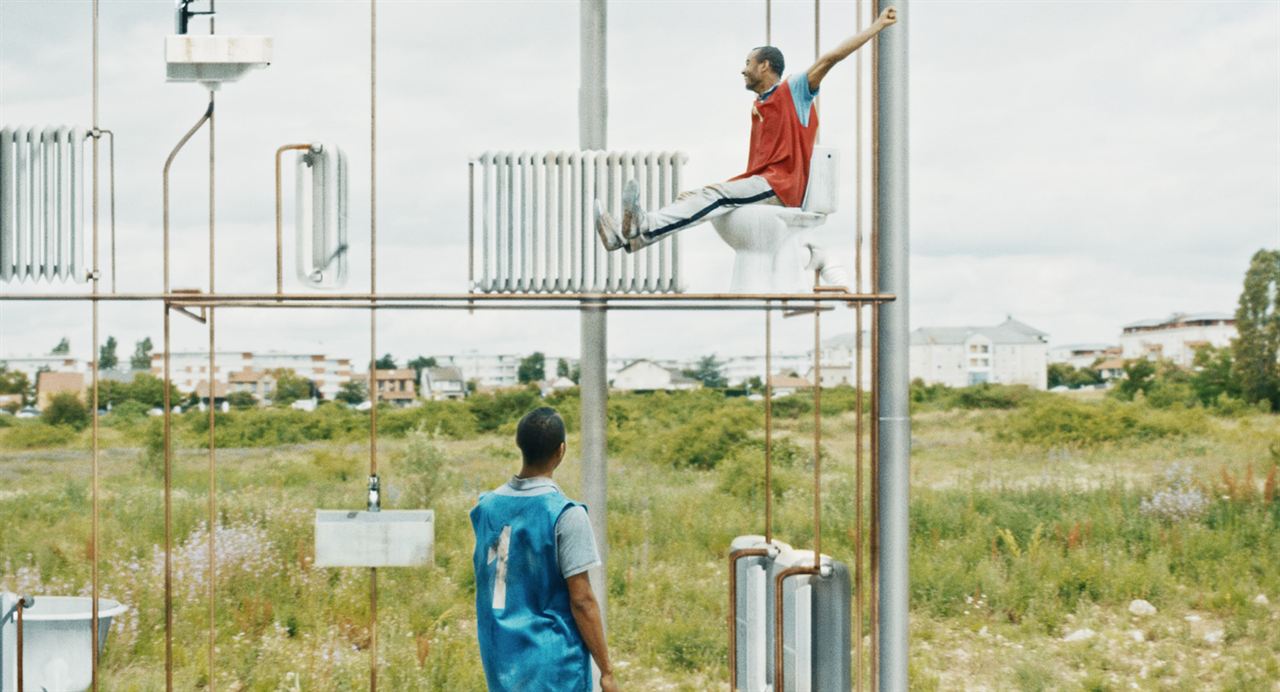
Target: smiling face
(757,74)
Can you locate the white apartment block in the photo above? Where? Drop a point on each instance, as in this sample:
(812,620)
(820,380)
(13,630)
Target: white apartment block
(187,368)
(48,363)
(1177,336)
(487,370)
(1008,353)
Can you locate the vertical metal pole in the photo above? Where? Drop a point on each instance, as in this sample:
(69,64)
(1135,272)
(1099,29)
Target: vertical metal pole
(373,323)
(892,340)
(212,499)
(94,471)
(593,106)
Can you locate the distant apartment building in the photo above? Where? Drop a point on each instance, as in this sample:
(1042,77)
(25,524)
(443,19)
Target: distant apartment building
(46,363)
(488,371)
(1082,355)
(1008,353)
(738,370)
(1177,336)
(189,368)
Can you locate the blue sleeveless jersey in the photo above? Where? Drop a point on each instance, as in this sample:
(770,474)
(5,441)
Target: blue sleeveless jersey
(529,641)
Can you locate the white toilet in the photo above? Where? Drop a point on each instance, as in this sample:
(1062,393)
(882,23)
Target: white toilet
(773,252)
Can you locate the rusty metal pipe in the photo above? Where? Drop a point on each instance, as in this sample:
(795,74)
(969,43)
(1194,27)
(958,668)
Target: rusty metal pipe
(180,306)
(168,163)
(373,318)
(817,437)
(24,602)
(212,391)
(768,427)
(859,535)
(874,501)
(168,508)
(778,677)
(280,215)
(785,299)
(733,608)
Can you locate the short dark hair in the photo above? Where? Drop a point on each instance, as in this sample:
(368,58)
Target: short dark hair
(774,56)
(539,434)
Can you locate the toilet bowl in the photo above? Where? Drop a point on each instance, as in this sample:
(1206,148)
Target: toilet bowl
(773,249)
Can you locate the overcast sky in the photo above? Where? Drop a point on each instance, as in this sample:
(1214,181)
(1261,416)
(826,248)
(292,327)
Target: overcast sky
(1078,165)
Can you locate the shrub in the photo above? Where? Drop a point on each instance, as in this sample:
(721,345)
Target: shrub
(242,400)
(423,462)
(38,435)
(792,406)
(1054,421)
(742,472)
(129,410)
(491,411)
(709,437)
(986,396)
(449,419)
(65,408)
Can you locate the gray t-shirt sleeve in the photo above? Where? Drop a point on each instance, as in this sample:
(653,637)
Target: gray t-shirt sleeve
(575,542)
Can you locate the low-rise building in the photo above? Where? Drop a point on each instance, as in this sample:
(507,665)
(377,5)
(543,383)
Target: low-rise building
(260,383)
(441,383)
(1082,355)
(50,383)
(786,385)
(1177,336)
(396,386)
(1008,353)
(647,376)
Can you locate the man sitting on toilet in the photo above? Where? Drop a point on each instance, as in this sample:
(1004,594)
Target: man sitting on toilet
(784,125)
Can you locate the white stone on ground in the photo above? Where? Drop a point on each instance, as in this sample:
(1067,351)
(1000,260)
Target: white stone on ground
(1079,635)
(1139,606)
(1214,637)
(1261,599)
(1137,636)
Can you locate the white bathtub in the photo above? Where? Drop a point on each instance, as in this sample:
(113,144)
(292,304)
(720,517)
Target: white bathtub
(56,641)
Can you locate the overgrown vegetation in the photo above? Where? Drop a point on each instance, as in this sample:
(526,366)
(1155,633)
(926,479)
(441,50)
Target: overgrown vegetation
(1060,532)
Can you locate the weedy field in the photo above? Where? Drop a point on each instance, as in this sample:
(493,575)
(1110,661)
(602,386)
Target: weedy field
(1037,521)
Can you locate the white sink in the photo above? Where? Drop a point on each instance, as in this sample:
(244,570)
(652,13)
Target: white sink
(390,538)
(214,59)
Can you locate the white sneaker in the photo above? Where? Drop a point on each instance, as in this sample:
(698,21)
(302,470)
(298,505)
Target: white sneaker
(632,215)
(607,229)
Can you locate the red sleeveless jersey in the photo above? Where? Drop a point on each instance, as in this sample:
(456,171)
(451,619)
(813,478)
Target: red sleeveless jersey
(780,145)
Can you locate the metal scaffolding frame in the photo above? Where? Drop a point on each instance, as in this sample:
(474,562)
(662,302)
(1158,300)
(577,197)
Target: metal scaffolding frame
(888,429)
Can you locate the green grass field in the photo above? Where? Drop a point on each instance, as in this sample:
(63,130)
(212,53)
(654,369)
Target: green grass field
(1029,524)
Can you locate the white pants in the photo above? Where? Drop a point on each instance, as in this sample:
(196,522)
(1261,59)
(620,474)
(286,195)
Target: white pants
(707,203)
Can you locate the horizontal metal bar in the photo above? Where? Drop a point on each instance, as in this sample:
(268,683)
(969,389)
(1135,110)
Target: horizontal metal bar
(576,307)
(188,298)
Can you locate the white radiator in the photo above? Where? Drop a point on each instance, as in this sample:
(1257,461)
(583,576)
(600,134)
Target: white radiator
(535,212)
(42,200)
(321,216)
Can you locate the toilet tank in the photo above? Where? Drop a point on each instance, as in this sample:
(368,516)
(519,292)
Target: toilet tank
(820,195)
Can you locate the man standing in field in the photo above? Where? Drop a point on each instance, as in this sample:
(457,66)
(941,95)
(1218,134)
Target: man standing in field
(536,616)
(784,126)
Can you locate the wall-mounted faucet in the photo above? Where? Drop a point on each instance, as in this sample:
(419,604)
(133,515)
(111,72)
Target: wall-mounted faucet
(184,13)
